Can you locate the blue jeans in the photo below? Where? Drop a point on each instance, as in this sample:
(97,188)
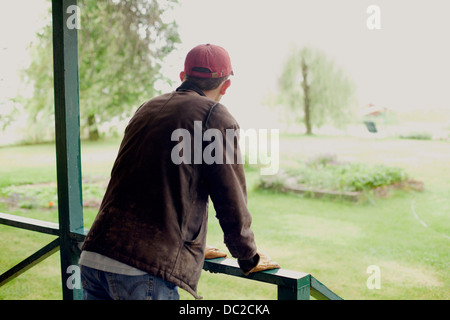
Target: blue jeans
(101,285)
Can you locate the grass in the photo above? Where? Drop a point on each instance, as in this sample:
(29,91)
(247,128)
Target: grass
(334,240)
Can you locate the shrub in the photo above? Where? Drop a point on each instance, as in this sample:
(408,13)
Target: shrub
(417,136)
(359,177)
(31,196)
(44,195)
(325,173)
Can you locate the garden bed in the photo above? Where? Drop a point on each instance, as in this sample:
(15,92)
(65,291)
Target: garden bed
(324,176)
(380,192)
(44,195)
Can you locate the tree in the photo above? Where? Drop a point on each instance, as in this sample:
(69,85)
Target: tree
(121,46)
(315,89)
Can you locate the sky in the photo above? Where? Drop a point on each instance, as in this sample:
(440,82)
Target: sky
(402,66)
(19,22)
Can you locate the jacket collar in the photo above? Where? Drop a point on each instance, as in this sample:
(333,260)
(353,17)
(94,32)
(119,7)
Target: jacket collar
(189,86)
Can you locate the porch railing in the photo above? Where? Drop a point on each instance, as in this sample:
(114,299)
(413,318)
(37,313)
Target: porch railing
(291,285)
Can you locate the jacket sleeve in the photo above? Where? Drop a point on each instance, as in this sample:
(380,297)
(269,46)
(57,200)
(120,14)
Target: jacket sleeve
(227,189)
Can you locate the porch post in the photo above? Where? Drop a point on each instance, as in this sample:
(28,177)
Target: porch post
(67,132)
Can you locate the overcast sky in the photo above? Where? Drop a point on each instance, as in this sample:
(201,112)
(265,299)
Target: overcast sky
(403,65)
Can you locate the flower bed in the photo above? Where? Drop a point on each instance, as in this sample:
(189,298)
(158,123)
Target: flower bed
(325,176)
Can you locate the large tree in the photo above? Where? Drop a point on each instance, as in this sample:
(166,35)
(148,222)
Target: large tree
(316,89)
(121,46)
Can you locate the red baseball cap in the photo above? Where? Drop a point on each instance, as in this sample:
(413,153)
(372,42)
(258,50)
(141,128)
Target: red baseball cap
(208,61)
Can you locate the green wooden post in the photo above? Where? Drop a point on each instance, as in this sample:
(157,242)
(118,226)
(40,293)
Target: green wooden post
(300,290)
(292,285)
(67,131)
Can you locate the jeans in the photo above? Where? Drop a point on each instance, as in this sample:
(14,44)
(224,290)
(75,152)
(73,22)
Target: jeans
(102,285)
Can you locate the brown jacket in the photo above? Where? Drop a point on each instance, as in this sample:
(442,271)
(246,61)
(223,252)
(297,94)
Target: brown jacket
(154,213)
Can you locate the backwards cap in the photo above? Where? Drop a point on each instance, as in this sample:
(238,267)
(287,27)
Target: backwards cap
(208,61)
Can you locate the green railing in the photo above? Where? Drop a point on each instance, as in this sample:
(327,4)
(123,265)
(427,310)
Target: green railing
(70,231)
(72,242)
(292,285)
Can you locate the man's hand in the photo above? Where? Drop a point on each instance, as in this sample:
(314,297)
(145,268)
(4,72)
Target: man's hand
(264,263)
(213,252)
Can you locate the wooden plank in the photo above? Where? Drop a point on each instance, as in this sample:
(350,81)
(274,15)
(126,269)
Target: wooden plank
(29,224)
(321,292)
(301,291)
(79,235)
(29,262)
(46,227)
(276,276)
(67,118)
(67,136)
(292,285)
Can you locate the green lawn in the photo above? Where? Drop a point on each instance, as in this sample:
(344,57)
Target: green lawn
(334,240)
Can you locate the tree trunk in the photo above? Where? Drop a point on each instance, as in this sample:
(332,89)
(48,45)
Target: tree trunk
(92,127)
(306,97)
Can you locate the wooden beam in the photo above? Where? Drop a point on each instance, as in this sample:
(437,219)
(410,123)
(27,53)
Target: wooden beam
(67,135)
(321,292)
(29,262)
(29,224)
(292,285)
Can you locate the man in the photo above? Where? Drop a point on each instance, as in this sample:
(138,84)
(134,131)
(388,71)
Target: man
(149,237)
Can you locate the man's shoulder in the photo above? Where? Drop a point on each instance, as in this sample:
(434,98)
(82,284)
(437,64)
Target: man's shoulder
(160,98)
(220,117)
(194,106)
